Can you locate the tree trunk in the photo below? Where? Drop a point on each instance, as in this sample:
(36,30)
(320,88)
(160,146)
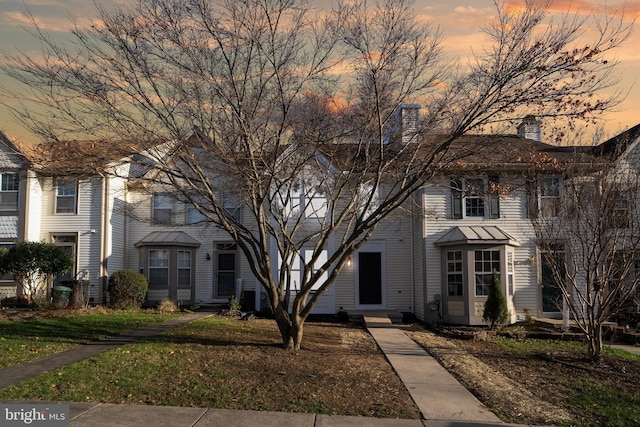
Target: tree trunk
(595,344)
(77,297)
(284,326)
(297,326)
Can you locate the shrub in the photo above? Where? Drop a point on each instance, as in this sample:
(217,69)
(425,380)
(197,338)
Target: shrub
(127,289)
(167,306)
(495,309)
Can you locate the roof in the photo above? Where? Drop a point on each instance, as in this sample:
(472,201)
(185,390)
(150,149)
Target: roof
(77,158)
(618,144)
(168,238)
(476,235)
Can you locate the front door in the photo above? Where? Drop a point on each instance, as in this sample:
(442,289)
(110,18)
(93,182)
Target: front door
(552,299)
(370,291)
(225,270)
(67,243)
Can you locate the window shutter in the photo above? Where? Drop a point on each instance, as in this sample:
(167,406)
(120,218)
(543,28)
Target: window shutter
(456,198)
(532,199)
(494,198)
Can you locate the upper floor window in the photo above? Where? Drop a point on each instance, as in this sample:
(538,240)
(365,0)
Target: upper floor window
(470,198)
(621,212)
(162,208)
(231,201)
(9,184)
(66,196)
(300,201)
(549,198)
(368,198)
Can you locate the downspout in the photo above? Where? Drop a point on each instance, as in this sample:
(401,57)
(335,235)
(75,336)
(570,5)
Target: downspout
(412,261)
(104,233)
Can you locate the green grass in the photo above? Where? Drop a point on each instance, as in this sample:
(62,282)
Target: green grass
(25,340)
(606,398)
(221,363)
(615,407)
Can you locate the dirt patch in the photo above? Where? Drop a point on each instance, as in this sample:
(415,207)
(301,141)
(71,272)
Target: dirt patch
(525,389)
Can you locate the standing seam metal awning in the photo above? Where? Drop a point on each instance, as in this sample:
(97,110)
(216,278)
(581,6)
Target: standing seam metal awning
(476,235)
(168,238)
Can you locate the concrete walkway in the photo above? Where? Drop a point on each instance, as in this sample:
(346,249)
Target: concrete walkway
(437,393)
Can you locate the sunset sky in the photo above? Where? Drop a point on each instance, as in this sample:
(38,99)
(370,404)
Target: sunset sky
(460,22)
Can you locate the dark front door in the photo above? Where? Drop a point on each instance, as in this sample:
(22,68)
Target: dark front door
(225,274)
(370,278)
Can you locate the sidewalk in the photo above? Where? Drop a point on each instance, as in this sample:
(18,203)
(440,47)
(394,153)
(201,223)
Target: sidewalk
(442,401)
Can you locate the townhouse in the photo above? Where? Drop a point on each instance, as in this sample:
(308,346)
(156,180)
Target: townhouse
(433,259)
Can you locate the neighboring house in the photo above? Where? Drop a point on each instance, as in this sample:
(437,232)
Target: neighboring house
(434,259)
(476,219)
(13,204)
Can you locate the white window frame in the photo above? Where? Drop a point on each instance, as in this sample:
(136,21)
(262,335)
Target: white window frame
(552,198)
(9,189)
(298,202)
(66,189)
(510,260)
(482,271)
(455,272)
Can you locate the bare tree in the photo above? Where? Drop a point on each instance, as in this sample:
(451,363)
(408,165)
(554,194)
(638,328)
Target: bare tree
(590,246)
(296,109)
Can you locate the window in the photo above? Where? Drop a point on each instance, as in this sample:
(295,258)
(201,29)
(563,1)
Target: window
(162,208)
(194,216)
(470,198)
(9,184)
(510,270)
(158,268)
(184,269)
(473,197)
(486,262)
(454,273)
(8,277)
(66,196)
(231,201)
(297,268)
(368,198)
(549,202)
(300,201)
(620,217)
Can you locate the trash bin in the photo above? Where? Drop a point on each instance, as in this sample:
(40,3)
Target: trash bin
(61,295)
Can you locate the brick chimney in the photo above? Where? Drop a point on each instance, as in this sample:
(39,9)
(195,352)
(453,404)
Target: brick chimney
(530,128)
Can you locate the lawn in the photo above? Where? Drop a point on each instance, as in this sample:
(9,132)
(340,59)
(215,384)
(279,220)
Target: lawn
(222,362)
(33,335)
(543,381)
